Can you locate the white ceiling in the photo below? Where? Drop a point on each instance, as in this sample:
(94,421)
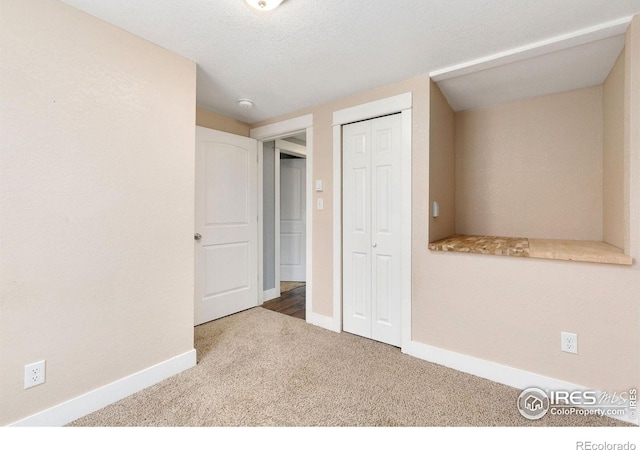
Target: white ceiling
(308,52)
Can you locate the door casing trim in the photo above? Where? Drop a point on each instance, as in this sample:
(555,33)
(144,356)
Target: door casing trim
(272,132)
(396,104)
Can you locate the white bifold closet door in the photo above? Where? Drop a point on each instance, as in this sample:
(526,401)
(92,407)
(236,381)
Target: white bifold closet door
(372,224)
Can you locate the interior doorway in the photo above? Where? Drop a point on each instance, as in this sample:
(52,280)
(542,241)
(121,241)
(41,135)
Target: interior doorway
(284,224)
(284,213)
(295,137)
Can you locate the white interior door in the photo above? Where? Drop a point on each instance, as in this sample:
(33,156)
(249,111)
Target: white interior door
(226,216)
(292,219)
(372,224)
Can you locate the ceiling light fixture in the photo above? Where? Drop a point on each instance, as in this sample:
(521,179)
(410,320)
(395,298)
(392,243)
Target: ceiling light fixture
(264,5)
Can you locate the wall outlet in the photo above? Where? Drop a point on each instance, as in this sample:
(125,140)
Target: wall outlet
(569,342)
(34,374)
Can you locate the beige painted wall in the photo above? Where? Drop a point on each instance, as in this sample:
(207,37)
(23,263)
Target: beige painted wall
(88,146)
(614,229)
(507,310)
(323,169)
(442,185)
(96,203)
(532,168)
(512,310)
(215,121)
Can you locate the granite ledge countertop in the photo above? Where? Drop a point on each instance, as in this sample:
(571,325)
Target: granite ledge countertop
(488,245)
(566,250)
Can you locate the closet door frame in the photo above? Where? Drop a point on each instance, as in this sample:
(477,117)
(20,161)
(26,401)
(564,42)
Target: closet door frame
(397,104)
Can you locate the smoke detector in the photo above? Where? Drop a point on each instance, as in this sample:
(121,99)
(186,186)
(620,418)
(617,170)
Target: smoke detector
(245,104)
(264,5)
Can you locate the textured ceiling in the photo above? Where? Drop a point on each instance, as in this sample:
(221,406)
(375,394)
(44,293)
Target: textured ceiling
(308,52)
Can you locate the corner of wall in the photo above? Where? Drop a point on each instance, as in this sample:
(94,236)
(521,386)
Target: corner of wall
(441,164)
(215,121)
(632,148)
(632,138)
(614,224)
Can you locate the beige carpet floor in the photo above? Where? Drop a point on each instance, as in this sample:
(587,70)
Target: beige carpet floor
(261,368)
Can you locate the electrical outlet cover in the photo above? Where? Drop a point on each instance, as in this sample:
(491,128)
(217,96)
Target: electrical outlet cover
(34,374)
(569,342)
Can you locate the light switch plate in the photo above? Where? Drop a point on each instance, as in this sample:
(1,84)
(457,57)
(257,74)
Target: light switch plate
(319,186)
(319,203)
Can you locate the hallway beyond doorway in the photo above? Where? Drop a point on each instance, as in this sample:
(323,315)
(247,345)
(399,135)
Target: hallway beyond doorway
(292,300)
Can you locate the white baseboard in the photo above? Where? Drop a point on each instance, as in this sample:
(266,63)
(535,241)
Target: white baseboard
(323,321)
(99,398)
(92,401)
(510,376)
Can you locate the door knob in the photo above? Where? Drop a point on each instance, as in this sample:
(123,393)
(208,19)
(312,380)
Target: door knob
(197,236)
(375,245)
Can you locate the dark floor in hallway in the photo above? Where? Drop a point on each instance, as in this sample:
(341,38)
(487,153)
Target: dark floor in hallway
(292,303)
